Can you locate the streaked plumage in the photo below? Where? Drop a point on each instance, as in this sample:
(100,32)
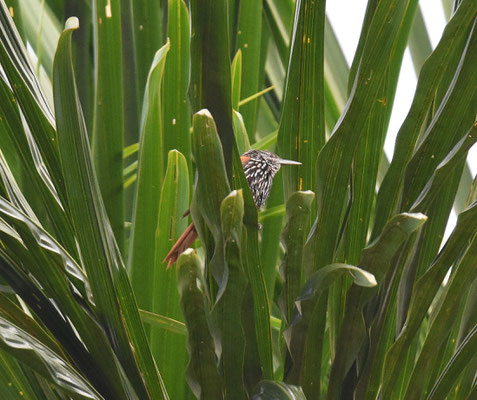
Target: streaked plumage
(260,167)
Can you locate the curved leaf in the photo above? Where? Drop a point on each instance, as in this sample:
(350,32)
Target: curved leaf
(24,150)
(377,259)
(241,137)
(432,73)
(425,290)
(25,85)
(44,361)
(300,335)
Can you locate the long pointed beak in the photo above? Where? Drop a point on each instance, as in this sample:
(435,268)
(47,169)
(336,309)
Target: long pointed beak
(289,162)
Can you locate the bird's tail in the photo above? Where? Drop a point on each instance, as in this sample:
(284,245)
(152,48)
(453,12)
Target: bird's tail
(183,243)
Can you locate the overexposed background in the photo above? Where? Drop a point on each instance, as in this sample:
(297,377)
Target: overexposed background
(346,17)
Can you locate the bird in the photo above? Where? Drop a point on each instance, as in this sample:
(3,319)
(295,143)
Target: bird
(260,166)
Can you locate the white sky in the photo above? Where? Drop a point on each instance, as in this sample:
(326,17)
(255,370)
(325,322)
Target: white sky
(346,17)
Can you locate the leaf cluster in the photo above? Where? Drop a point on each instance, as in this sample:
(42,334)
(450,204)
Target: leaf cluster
(137,111)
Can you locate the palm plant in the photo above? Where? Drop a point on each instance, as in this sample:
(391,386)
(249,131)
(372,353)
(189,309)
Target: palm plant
(135,113)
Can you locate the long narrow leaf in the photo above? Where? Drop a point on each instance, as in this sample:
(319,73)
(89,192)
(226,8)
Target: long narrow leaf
(425,289)
(298,209)
(302,126)
(108,122)
(464,354)
(462,276)
(210,69)
(334,161)
(168,348)
(177,120)
(249,30)
(149,183)
(100,254)
(431,75)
